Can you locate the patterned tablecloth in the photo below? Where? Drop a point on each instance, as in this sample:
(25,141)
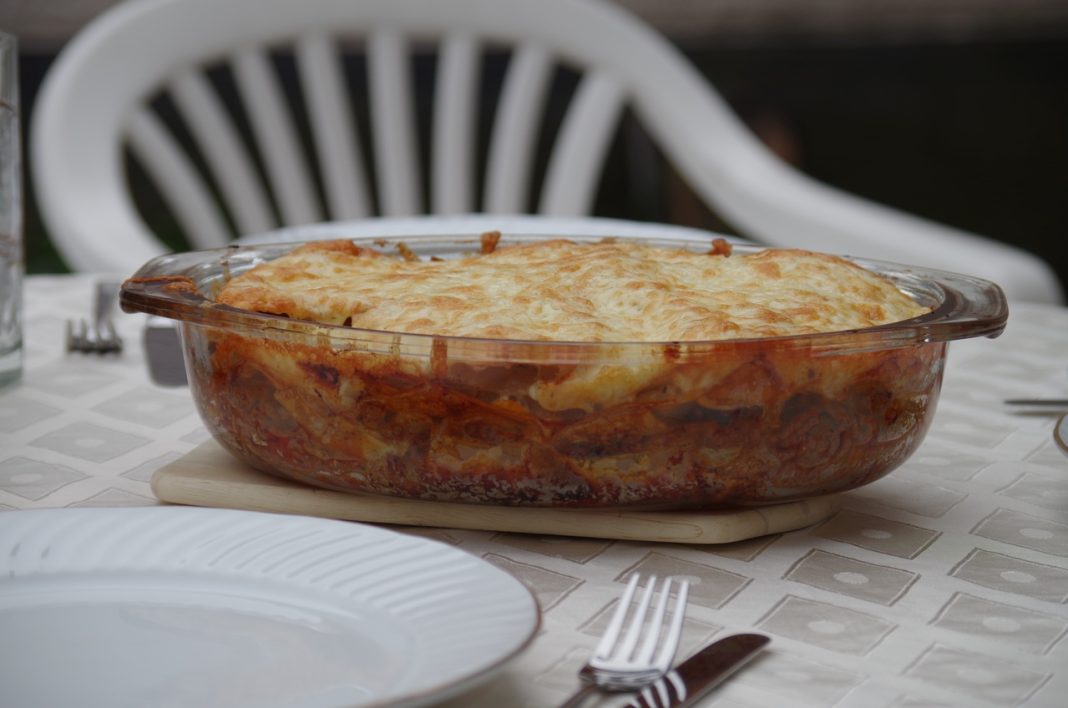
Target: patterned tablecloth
(946,583)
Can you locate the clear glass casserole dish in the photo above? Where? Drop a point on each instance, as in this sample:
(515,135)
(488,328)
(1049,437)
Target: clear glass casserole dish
(669,425)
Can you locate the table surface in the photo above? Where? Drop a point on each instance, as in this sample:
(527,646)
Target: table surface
(945,583)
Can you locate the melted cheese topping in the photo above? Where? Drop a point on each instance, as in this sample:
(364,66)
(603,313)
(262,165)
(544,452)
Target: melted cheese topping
(611,291)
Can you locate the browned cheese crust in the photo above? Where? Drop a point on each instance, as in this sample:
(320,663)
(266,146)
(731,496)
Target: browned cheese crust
(612,291)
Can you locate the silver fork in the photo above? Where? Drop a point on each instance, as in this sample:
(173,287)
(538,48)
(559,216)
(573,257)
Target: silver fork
(98,336)
(620,664)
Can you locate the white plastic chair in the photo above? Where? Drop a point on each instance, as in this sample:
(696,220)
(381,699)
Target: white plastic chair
(96,100)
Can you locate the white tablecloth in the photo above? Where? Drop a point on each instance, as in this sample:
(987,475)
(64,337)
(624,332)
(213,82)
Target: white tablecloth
(945,583)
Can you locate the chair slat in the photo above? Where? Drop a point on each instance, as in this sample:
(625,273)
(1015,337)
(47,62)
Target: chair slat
(393,123)
(177,180)
(578,156)
(453,175)
(514,131)
(226,155)
(333,128)
(276,137)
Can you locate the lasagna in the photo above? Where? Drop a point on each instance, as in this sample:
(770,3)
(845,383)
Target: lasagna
(560,290)
(566,373)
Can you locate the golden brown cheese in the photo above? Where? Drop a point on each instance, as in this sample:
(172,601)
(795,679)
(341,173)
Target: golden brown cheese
(610,291)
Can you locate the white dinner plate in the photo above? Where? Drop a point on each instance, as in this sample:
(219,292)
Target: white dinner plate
(475,223)
(183,606)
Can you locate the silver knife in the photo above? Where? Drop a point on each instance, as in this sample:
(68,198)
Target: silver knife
(163,351)
(693,678)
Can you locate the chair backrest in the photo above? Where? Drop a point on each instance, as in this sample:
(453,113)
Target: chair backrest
(287,160)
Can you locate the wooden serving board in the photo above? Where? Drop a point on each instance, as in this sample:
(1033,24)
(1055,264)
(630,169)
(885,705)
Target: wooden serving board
(210,476)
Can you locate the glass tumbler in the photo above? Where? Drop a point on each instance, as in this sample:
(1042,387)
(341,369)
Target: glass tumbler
(11,253)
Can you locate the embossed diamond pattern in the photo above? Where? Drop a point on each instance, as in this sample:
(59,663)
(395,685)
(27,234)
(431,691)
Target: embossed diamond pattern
(1028,630)
(157,409)
(826,626)
(70,382)
(21,413)
(30,479)
(1026,530)
(86,441)
(1005,573)
(982,677)
(877,534)
(1040,490)
(847,576)
(788,677)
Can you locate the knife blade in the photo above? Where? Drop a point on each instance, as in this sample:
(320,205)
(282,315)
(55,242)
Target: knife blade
(693,678)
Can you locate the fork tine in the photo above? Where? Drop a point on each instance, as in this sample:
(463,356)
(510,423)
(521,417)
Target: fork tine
(671,642)
(645,654)
(76,335)
(630,639)
(611,633)
(107,337)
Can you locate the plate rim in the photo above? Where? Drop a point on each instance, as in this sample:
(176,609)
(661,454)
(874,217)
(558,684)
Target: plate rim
(1060,433)
(394,226)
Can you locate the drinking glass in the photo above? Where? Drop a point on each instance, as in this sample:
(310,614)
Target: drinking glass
(11,258)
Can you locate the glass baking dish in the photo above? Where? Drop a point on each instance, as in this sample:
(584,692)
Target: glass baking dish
(668,425)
